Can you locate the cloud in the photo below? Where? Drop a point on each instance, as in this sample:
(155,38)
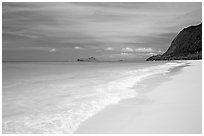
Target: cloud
(147,51)
(144,50)
(52,50)
(124,54)
(127,49)
(78,48)
(139,50)
(109,48)
(151,54)
(93,26)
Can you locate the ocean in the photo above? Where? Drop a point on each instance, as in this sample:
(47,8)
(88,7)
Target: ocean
(56,97)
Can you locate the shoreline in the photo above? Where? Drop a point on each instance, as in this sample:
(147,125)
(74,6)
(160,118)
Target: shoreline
(153,110)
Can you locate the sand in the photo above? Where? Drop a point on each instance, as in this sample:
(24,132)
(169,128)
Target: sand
(168,104)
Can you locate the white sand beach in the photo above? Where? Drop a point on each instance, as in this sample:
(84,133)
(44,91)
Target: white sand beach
(146,97)
(102,67)
(172,104)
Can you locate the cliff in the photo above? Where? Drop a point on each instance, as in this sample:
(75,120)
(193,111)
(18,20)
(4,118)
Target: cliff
(187,45)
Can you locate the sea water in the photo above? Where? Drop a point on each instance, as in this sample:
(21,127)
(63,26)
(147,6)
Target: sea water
(56,97)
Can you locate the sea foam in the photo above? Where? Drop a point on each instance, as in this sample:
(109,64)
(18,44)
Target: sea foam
(78,105)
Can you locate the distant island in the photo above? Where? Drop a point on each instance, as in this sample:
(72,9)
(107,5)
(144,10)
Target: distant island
(187,45)
(91,59)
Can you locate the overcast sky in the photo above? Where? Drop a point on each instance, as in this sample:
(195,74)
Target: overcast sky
(107,31)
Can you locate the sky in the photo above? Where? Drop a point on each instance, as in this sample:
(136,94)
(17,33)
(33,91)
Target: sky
(107,31)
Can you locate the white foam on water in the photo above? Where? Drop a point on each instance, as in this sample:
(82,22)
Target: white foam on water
(67,116)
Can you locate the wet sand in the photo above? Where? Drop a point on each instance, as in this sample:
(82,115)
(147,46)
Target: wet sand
(167,104)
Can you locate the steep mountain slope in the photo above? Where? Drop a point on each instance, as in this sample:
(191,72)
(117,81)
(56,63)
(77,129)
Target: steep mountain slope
(186,45)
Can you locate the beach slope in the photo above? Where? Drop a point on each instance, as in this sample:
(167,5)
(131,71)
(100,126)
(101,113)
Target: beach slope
(170,106)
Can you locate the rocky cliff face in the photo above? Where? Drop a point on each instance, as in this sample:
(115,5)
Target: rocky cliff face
(187,45)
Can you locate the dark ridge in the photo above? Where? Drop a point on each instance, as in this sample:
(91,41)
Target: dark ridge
(187,45)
